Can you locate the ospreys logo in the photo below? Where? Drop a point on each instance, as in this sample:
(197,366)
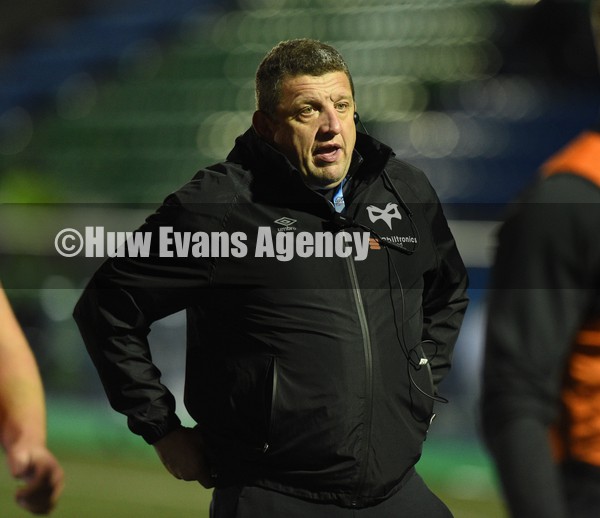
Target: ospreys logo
(388,214)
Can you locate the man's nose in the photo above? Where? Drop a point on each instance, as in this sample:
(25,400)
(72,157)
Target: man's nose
(330,121)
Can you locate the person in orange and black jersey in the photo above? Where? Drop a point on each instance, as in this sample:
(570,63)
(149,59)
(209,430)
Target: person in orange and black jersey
(541,382)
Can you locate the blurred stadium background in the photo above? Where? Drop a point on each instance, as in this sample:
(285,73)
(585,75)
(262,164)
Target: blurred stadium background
(106,106)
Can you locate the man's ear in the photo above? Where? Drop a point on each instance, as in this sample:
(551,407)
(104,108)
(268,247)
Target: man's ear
(263,125)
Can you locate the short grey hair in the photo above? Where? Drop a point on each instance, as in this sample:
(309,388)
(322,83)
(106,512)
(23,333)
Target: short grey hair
(293,58)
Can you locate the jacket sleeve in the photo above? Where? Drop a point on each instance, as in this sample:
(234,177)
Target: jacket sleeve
(541,291)
(445,299)
(115,312)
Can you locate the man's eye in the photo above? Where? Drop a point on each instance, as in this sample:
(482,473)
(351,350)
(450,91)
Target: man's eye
(342,107)
(308,110)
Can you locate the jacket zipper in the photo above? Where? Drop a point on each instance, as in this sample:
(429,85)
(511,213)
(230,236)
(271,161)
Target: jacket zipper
(362,318)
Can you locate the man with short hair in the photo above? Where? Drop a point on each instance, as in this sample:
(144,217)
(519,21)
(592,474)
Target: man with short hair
(319,326)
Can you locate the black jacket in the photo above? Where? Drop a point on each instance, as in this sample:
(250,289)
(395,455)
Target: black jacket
(298,371)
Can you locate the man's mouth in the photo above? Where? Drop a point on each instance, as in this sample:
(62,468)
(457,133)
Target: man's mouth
(329,153)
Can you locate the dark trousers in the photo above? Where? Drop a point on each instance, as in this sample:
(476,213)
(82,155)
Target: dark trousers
(414,500)
(582,488)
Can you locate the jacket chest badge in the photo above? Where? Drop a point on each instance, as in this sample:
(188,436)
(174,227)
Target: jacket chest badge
(285,224)
(388,214)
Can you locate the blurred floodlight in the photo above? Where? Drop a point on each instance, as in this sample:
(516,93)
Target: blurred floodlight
(522,2)
(218,131)
(388,98)
(507,97)
(434,134)
(478,138)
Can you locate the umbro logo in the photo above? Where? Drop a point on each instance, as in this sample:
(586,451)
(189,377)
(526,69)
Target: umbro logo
(388,214)
(285,224)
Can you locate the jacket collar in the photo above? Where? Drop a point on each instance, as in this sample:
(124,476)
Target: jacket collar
(258,156)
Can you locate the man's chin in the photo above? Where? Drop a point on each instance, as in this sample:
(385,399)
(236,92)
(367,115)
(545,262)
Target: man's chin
(323,183)
(326,178)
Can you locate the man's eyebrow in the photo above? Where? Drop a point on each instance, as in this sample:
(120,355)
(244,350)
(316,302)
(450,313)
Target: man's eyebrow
(308,99)
(298,102)
(342,97)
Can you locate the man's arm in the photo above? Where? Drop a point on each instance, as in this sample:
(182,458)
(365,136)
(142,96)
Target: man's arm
(114,319)
(114,315)
(23,418)
(445,299)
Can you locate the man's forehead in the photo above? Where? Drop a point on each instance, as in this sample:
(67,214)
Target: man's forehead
(329,83)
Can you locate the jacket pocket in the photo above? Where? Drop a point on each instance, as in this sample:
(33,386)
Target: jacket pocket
(421,388)
(270,399)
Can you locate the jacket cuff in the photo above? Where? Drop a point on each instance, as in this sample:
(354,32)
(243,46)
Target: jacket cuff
(152,433)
